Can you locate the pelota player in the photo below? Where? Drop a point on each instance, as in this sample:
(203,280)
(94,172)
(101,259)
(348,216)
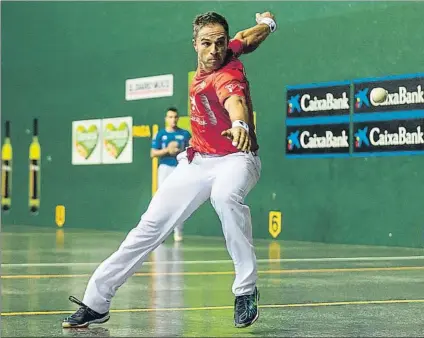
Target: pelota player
(221,165)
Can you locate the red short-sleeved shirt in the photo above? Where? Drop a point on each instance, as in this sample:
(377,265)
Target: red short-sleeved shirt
(208,92)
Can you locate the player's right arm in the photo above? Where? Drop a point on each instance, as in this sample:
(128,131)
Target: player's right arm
(156,150)
(252,37)
(159,152)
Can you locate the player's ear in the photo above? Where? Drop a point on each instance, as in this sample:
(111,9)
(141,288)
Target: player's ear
(194,44)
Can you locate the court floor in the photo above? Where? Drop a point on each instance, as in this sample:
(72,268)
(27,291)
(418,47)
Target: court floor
(307,289)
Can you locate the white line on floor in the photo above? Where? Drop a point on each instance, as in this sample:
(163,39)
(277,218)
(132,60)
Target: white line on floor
(228,261)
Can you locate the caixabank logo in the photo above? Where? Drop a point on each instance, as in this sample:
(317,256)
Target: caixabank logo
(317,139)
(318,100)
(386,136)
(403,93)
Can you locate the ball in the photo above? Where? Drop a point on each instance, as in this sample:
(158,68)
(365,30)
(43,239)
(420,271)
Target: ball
(378,95)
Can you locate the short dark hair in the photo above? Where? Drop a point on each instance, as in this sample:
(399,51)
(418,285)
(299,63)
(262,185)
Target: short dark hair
(208,18)
(172,109)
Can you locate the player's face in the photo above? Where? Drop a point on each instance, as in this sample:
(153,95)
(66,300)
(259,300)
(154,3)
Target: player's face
(171,119)
(211,46)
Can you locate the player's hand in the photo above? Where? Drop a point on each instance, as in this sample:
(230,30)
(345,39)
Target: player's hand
(173,148)
(173,151)
(264,15)
(239,136)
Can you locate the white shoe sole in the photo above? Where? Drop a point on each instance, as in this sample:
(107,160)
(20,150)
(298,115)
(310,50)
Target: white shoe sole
(67,325)
(248,324)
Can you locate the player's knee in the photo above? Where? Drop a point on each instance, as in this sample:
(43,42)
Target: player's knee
(222,199)
(153,224)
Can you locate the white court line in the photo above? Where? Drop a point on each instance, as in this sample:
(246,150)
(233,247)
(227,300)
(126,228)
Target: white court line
(282,260)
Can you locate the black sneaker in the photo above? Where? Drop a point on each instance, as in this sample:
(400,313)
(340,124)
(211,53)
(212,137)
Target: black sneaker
(84,316)
(246,310)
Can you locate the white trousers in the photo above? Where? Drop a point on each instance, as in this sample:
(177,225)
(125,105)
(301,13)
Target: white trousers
(163,172)
(226,180)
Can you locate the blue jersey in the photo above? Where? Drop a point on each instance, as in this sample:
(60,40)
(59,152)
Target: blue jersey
(163,138)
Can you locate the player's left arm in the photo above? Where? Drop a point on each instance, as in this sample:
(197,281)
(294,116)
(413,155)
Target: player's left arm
(252,37)
(231,88)
(238,111)
(187,139)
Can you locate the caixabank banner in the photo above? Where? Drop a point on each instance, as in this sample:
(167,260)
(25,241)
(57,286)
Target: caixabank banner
(389,136)
(404,92)
(394,126)
(317,120)
(328,139)
(321,99)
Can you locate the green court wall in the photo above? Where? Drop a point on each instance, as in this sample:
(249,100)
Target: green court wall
(67,61)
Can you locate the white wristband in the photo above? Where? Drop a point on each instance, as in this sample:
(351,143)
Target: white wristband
(240,123)
(270,22)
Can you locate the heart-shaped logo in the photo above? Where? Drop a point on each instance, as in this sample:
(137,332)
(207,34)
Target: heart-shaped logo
(86,140)
(116,138)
